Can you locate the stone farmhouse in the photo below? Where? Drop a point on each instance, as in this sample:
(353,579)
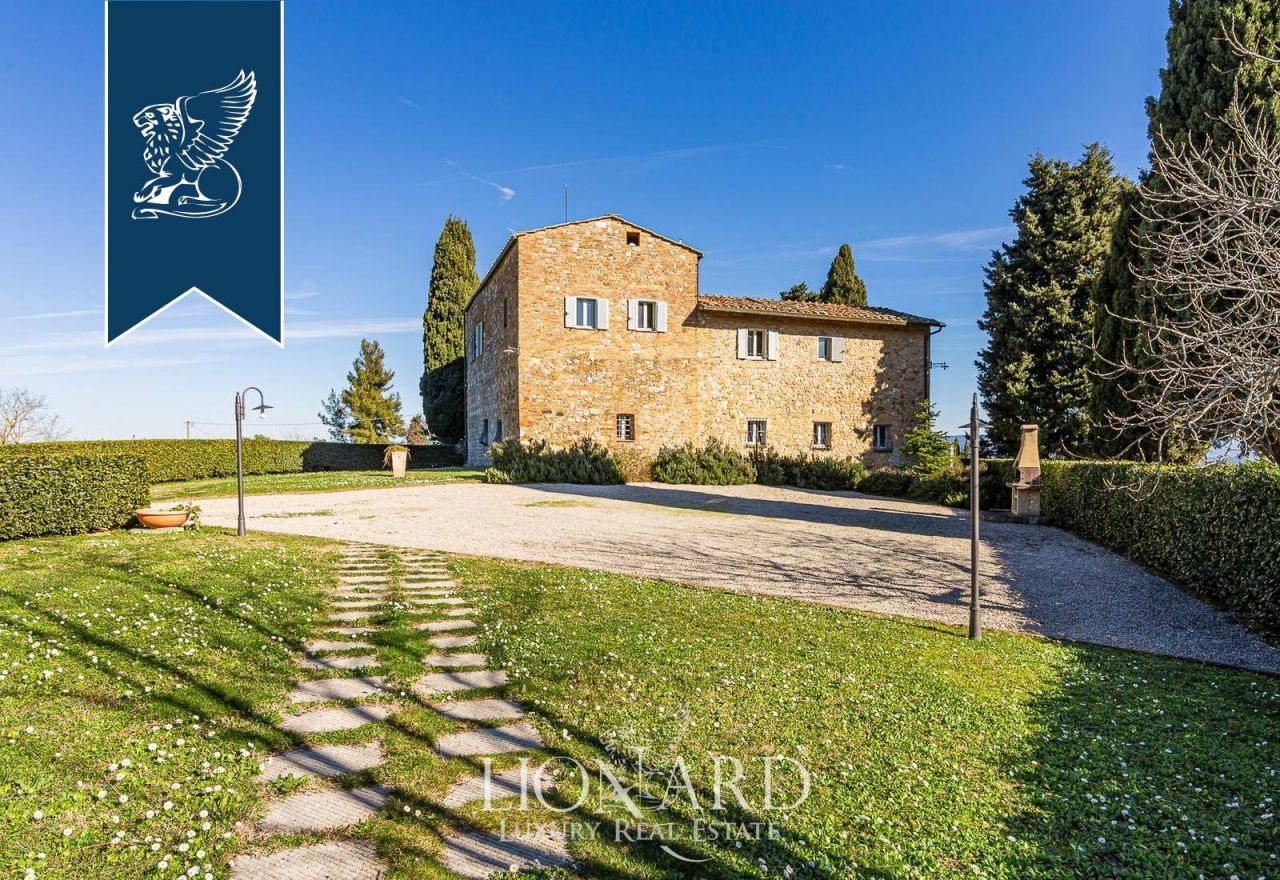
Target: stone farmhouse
(596,328)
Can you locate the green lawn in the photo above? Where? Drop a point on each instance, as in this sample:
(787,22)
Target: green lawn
(930,756)
(137,677)
(317,481)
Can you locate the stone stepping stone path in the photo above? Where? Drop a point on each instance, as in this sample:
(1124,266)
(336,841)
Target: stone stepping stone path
(482,855)
(505,784)
(338,689)
(445,642)
(346,860)
(444,625)
(455,660)
(321,761)
(351,630)
(326,810)
(490,741)
(330,720)
(361,614)
(341,662)
(317,645)
(449,682)
(329,809)
(479,710)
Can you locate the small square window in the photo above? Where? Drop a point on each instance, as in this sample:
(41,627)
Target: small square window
(633,238)
(757,432)
(625,427)
(646,315)
(881,439)
(824,348)
(587,311)
(821,435)
(757,343)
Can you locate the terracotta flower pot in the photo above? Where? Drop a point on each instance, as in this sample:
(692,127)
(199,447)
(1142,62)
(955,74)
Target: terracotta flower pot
(162,519)
(399,461)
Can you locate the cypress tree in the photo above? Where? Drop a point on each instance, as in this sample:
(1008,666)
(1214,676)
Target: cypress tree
(373,410)
(453,281)
(1039,316)
(843,284)
(1202,75)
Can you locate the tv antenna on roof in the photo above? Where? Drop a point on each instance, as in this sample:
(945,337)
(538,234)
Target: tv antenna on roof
(566,203)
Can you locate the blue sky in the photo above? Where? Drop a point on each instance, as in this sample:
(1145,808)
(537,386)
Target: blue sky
(763,134)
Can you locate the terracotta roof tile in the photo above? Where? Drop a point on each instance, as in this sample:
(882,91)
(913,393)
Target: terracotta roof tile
(791,308)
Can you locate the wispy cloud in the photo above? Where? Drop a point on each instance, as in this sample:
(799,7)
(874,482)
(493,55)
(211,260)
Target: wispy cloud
(295,295)
(411,104)
(43,316)
(982,238)
(634,162)
(96,363)
(353,328)
(505,193)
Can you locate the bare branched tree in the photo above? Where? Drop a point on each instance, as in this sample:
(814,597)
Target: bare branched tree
(1208,353)
(25,416)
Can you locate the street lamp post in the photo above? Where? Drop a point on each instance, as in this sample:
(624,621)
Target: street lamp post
(975,427)
(261,409)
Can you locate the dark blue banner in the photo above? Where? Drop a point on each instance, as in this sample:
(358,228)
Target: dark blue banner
(194,160)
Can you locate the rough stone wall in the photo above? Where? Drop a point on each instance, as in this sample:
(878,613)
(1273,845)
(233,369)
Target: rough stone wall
(492,379)
(574,383)
(880,381)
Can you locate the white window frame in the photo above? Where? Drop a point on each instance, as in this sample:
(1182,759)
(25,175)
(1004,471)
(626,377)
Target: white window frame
(477,340)
(876,445)
(835,349)
(629,419)
(825,346)
(757,344)
(758,437)
(658,314)
(826,427)
(572,305)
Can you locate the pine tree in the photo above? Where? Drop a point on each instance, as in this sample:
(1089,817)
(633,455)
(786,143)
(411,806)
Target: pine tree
(1202,74)
(1039,316)
(453,281)
(333,414)
(799,293)
(416,435)
(843,284)
(924,446)
(374,411)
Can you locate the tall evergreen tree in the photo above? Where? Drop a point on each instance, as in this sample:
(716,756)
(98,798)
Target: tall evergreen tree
(1039,316)
(374,411)
(416,434)
(1202,74)
(453,281)
(843,284)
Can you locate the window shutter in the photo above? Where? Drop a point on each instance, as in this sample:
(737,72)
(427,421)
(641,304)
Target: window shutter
(773,345)
(633,313)
(660,317)
(742,343)
(602,314)
(837,349)
(569,317)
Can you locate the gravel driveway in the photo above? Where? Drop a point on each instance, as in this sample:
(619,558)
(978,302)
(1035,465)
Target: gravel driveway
(881,555)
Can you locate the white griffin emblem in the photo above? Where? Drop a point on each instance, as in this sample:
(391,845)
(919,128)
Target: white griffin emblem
(187,142)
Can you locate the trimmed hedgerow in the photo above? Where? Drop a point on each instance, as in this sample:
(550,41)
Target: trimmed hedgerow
(69,494)
(1211,530)
(179,460)
(585,462)
(950,487)
(806,472)
(712,465)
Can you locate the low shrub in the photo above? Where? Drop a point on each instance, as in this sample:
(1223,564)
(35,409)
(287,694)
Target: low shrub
(69,494)
(1210,529)
(586,462)
(712,465)
(886,481)
(178,460)
(826,472)
(950,487)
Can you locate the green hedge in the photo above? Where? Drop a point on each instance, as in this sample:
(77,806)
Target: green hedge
(1214,530)
(586,462)
(176,460)
(712,465)
(950,487)
(69,494)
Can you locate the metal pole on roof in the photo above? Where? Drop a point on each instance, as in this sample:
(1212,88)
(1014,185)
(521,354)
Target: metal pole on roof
(566,203)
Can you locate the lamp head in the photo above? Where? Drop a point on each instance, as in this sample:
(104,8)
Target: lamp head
(262,410)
